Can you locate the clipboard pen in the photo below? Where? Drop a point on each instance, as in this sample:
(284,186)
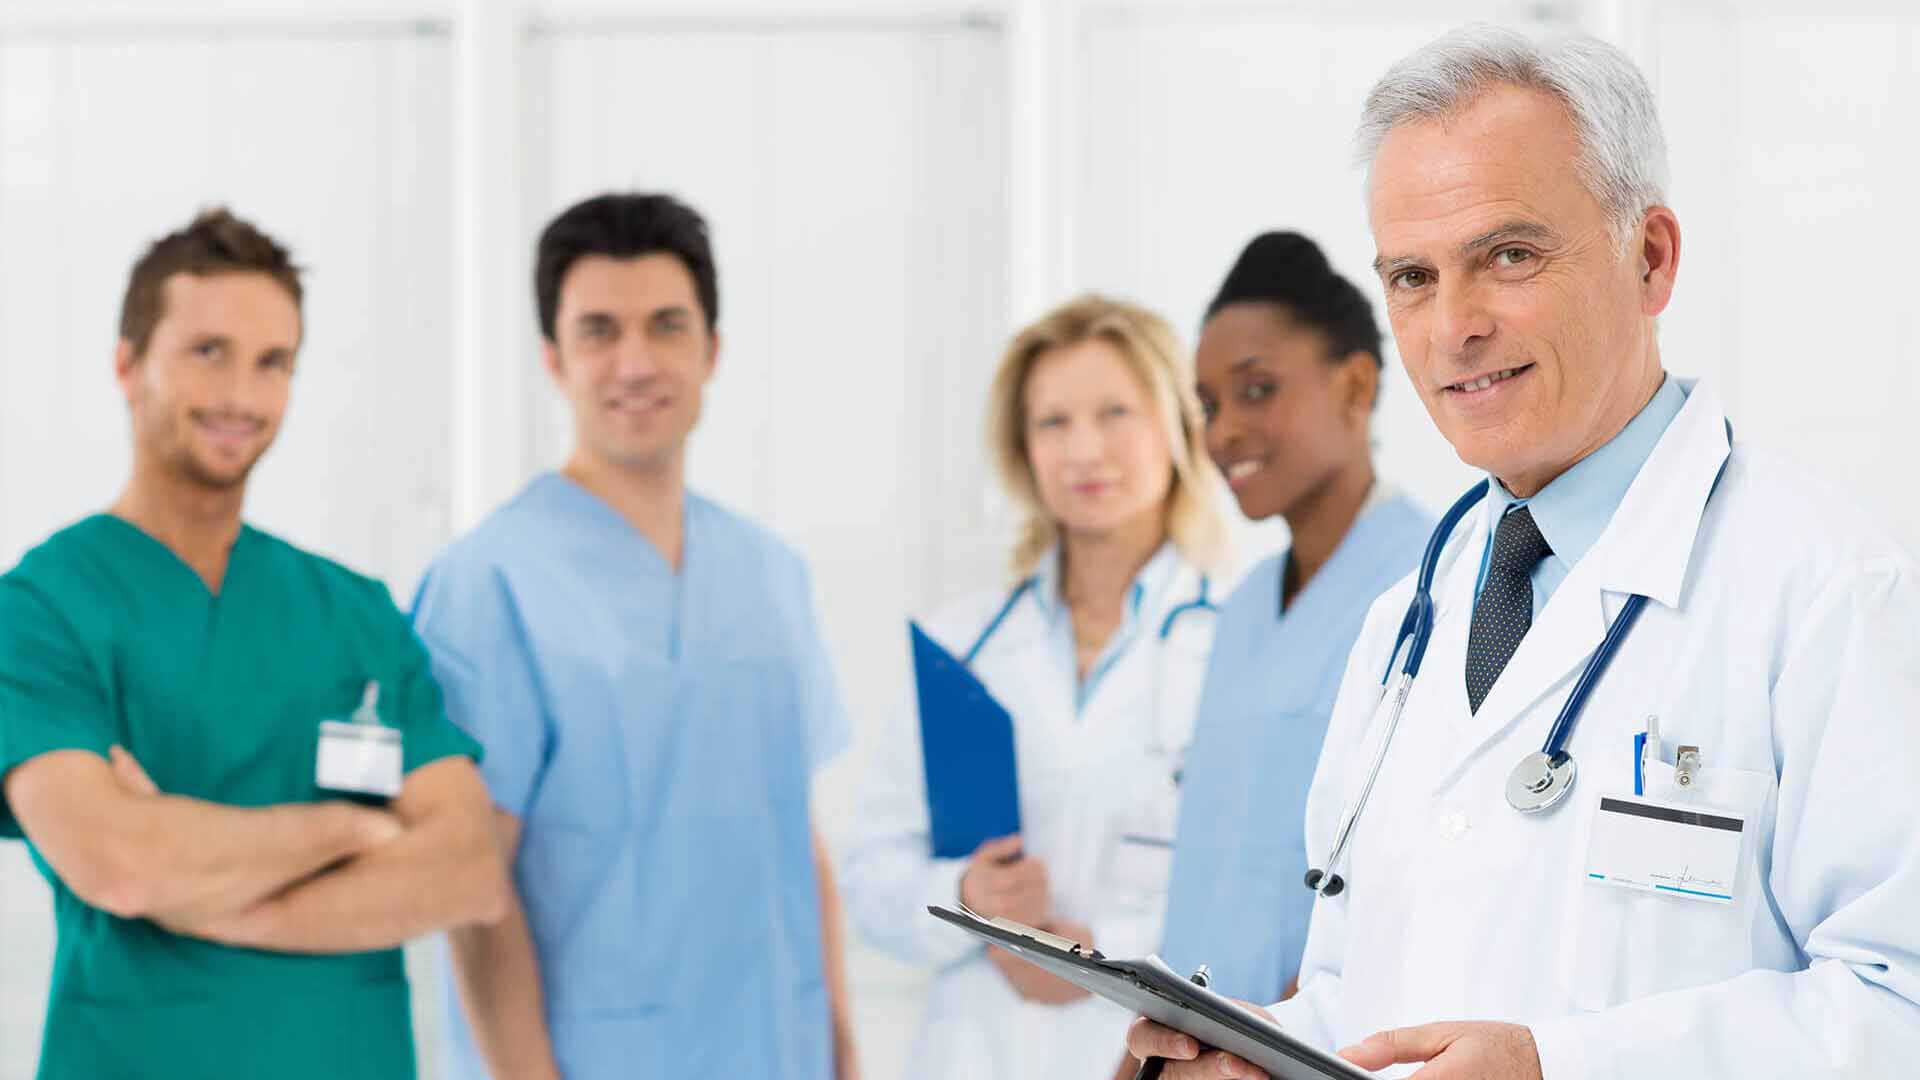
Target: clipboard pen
(1151,1068)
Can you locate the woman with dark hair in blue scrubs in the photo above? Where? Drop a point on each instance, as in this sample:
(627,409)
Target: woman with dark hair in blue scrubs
(1288,367)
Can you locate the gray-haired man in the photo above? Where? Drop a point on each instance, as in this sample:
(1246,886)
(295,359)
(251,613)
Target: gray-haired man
(1733,896)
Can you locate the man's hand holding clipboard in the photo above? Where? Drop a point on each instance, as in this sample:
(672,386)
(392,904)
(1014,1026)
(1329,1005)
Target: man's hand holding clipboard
(1166,1054)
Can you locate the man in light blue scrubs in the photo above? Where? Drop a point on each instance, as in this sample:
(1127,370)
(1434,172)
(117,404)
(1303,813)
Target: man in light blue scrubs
(1288,368)
(647,673)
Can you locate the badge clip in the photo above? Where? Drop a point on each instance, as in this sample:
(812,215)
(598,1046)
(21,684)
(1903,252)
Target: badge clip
(360,755)
(1686,763)
(369,710)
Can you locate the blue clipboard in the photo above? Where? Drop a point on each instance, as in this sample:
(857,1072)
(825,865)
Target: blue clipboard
(966,746)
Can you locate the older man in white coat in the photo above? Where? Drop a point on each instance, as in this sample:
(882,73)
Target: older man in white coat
(1515,195)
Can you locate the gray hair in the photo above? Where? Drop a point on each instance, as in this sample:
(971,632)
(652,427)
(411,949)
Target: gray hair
(1623,155)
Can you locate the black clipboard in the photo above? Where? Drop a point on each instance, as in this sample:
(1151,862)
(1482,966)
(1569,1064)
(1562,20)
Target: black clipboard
(1151,989)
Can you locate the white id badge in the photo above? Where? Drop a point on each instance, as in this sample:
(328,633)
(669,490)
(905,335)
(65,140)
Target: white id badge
(360,758)
(363,756)
(1684,852)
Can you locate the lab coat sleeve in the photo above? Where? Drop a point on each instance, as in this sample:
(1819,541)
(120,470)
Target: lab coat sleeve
(1312,1014)
(890,876)
(1843,873)
(482,662)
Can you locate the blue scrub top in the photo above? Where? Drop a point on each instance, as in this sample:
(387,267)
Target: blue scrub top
(1236,902)
(655,734)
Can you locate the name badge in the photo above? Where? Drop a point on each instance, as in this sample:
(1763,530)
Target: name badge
(1683,852)
(361,756)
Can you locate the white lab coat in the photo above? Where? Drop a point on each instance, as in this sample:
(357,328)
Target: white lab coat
(1086,783)
(1783,639)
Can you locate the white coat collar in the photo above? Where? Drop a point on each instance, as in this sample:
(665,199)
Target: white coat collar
(1645,548)
(1148,593)
(1649,544)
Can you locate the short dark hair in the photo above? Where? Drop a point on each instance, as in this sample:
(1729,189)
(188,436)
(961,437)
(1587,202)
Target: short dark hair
(1287,269)
(624,225)
(215,242)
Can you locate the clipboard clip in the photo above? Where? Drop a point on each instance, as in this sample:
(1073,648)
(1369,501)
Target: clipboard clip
(1036,935)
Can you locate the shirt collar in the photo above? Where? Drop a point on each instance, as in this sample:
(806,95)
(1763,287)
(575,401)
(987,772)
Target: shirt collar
(1573,510)
(1149,584)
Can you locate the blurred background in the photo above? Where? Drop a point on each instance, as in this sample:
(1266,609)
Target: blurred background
(893,187)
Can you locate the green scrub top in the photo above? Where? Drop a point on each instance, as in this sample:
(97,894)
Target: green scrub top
(106,638)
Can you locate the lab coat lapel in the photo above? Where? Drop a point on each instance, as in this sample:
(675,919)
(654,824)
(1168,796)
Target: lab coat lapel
(1644,549)
(1436,724)
(1566,632)
(1667,501)
(1030,682)
(1133,681)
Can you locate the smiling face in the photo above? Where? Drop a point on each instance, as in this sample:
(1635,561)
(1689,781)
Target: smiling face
(1099,455)
(208,393)
(1283,418)
(632,355)
(1528,336)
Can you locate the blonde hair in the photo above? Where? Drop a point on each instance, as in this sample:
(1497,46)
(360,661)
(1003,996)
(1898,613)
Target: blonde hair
(1154,354)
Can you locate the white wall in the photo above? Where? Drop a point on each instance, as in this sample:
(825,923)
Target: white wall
(1795,161)
(1200,127)
(1791,132)
(335,137)
(892,185)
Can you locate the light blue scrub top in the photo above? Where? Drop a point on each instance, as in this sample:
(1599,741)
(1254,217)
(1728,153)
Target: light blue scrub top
(655,734)
(1236,902)
(1573,510)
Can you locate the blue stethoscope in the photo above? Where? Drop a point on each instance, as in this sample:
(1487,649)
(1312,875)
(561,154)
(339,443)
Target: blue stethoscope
(1201,602)
(1543,778)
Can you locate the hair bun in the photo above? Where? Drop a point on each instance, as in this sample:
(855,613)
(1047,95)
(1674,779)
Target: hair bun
(1276,266)
(1287,269)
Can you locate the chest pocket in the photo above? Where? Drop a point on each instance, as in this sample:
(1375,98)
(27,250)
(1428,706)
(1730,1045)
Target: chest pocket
(1147,777)
(1622,944)
(1138,854)
(269,737)
(229,718)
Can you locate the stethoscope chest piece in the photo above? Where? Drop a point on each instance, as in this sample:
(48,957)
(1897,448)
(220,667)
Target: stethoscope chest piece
(1539,782)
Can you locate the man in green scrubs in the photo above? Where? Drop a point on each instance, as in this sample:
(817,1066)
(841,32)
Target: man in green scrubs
(231,880)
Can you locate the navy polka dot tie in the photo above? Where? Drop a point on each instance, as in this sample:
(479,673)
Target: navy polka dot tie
(1504,612)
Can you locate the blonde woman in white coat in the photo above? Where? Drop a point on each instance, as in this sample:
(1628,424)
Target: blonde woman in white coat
(1097,649)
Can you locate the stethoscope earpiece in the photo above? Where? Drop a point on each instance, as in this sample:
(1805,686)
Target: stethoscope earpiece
(1335,884)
